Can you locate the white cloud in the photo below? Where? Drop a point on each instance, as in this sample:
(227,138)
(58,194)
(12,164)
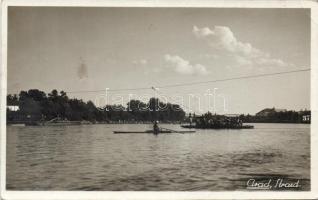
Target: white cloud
(271,62)
(157,69)
(183,66)
(140,62)
(242,61)
(143,61)
(221,38)
(209,56)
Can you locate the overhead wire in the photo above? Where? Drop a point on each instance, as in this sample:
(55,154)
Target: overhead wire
(192,83)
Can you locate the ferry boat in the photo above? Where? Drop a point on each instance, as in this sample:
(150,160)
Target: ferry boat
(210,121)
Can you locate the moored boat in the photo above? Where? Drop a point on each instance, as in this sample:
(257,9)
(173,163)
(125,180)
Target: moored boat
(17,124)
(214,121)
(218,127)
(58,122)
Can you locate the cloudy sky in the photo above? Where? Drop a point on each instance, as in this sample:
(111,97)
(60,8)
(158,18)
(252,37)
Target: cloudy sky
(85,49)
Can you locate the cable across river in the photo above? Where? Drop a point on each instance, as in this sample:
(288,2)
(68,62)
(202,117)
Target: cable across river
(194,83)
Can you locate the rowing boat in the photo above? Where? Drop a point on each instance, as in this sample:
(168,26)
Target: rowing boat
(151,131)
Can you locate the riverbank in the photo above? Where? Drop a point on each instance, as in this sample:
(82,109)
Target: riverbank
(41,123)
(37,123)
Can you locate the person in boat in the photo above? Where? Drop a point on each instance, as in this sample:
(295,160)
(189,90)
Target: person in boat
(156,128)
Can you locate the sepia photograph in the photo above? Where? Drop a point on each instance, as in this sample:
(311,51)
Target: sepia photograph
(159,99)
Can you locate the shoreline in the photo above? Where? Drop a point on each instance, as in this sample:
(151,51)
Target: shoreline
(79,123)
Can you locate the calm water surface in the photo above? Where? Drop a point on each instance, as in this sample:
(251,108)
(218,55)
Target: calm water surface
(91,157)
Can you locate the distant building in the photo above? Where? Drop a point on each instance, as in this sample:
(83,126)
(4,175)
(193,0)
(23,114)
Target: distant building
(267,111)
(231,115)
(306,118)
(13,108)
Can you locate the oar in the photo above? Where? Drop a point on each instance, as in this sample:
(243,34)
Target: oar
(172,130)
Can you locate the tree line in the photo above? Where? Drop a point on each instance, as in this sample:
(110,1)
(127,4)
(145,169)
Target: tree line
(36,105)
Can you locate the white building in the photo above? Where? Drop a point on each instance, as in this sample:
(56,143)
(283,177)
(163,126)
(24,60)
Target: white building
(306,118)
(13,108)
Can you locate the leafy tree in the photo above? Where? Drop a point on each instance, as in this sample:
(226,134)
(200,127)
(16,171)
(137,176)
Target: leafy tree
(39,105)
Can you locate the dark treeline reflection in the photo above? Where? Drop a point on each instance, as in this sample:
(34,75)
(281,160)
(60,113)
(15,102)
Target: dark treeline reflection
(35,105)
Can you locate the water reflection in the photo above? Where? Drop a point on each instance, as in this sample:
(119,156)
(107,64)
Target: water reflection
(91,157)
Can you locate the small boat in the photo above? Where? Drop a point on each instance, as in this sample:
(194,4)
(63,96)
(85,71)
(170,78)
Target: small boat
(219,127)
(18,124)
(58,122)
(151,131)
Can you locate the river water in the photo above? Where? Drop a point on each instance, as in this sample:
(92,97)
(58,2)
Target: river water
(91,157)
